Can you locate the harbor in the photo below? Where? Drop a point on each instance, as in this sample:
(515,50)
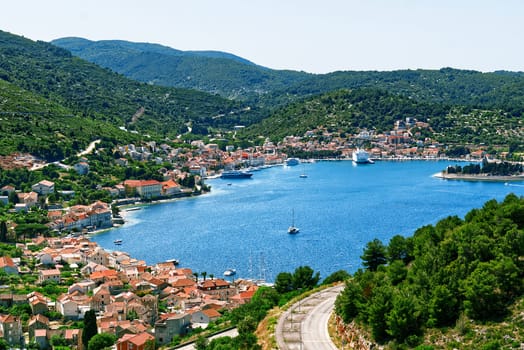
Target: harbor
(339,207)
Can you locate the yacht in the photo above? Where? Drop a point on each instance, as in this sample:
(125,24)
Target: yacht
(230,272)
(292,161)
(293,229)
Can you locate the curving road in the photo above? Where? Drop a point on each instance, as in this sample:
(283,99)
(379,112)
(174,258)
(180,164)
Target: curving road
(304,325)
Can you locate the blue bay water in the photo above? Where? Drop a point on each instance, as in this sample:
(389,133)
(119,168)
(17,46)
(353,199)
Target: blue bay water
(339,207)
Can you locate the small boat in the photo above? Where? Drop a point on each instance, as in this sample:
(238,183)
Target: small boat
(174,261)
(293,229)
(292,161)
(236,174)
(303,175)
(230,272)
(133,209)
(117,241)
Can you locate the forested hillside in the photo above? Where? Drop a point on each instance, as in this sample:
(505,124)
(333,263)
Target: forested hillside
(210,71)
(349,111)
(93,92)
(32,124)
(500,90)
(232,76)
(459,273)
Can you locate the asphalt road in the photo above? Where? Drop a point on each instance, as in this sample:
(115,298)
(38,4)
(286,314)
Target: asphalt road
(304,325)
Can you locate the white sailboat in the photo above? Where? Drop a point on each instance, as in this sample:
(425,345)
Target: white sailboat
(293,229)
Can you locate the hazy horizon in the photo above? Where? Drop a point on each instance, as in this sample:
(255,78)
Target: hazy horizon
(335,35)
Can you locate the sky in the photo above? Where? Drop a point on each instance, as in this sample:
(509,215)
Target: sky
(304,35)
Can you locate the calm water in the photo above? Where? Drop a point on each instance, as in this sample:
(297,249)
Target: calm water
(339,207)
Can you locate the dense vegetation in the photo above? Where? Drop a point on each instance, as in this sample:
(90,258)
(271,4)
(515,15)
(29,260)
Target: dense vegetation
(487,168)
(458,268)
(346,112)
(213,72)
(47,129)
(235,77)
(90,92)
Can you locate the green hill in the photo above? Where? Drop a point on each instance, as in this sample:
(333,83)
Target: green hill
(211,71)
(93,92)
(349,111)
(32,124)
(232,76)
(458,284)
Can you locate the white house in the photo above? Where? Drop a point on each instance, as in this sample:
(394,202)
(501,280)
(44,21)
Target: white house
(44,187)
(49,275)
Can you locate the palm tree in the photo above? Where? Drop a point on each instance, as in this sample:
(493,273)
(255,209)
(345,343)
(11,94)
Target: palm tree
(204,274)
(196,276)
(211,276)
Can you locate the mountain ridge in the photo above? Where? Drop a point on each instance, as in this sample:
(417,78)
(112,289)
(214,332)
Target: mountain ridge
(271,88)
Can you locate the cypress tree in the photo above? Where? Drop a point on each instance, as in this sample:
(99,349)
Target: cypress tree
(3,232)
(90,328)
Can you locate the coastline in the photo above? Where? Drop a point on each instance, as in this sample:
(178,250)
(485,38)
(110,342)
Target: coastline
(492,178)
(125,209)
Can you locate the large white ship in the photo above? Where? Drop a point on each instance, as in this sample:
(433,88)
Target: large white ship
(360,156)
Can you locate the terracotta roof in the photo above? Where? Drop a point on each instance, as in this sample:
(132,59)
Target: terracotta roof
(103,274)
(6,261)
(137,339)
(52,272)
(211,313)
(46,183)
(141,183)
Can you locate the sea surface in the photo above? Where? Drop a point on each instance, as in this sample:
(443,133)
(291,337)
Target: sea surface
(339,207)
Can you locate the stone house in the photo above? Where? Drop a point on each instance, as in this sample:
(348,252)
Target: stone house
(170,325)
(11,329)
(44,187)
(205,316)
(37,322)
(49,275)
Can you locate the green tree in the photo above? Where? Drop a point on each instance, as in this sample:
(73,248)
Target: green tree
(374,255)
(90,327)
(284,282)
(378,307)
(101,341)
(399,249)
(3,231)
(397,272)
(482,292)
(305,278)
(337,276)
(442,307)
(405,318)
(247,325)
(350,302)
(200,344)
(4,345)
(57,340)
(131,315)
